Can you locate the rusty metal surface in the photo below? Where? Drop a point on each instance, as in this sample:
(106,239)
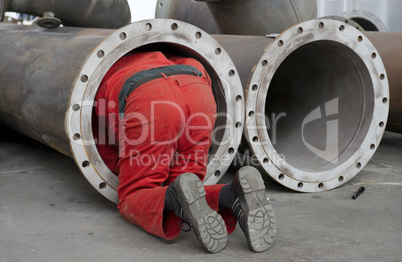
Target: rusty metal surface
(81,13)
(37,72)
(389,47)
(49,78)
(240,17)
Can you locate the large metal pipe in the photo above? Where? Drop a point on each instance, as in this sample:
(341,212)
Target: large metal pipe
(196,13)
(49,80)
(81,13)
(317,101)
(389,47)
(64,29)
(2,9)
(388,12)
(365,19)
(242,17)
(259,17)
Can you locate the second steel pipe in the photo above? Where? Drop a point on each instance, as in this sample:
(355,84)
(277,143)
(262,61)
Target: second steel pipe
(389,48)
(317,102)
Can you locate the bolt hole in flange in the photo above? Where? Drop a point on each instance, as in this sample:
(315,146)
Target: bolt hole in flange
(122,36)
(76,107)
(86,163)
(100,53)
(102,185)
(174,26)
(84,78)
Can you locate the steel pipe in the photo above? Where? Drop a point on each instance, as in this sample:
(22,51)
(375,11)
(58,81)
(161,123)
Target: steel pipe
(196,13)
(49,80)
(3,9)
(259,17)
(316,102)
(242,17)
(389,47)
(65,29)
(81,13)
(365,19)
(387,11)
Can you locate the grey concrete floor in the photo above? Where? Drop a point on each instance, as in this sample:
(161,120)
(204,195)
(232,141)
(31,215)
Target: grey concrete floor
(49,212)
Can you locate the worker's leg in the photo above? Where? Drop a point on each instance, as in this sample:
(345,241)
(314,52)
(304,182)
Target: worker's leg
(194,144)
(147,145)
(195,140)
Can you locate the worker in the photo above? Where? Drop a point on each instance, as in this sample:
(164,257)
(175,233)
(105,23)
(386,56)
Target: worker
(153,124)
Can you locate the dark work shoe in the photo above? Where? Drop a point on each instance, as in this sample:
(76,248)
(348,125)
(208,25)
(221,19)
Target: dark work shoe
(190,205)
(250,205)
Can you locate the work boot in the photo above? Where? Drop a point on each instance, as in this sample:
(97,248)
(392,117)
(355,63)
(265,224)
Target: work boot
(254,213)
(188,195)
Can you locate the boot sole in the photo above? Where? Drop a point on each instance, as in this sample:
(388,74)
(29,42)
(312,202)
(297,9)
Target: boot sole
(260,225)
(207,224)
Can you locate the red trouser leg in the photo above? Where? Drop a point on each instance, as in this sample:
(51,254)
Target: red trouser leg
(156,115)
(152,118)
(193,146)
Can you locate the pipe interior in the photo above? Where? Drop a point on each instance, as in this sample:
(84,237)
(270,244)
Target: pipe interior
(218,91)
(305,82)
(366,24)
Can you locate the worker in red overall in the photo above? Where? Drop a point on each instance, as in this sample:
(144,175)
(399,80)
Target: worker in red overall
(153,124)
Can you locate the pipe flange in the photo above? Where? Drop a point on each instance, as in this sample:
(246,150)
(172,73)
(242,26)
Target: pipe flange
(344,20)
(196,43)
(365,19)
(2,9)
(361,135)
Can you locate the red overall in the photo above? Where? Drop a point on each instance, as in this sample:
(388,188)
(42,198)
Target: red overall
(166,131)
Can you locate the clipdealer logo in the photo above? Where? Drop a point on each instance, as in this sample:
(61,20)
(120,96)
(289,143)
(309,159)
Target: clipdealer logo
(328,112)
